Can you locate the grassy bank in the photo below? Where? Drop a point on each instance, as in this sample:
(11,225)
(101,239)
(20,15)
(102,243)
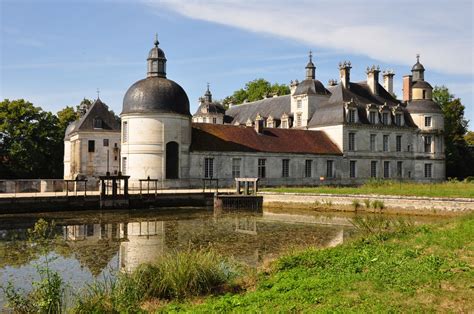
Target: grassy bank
(445,189)
(413,269)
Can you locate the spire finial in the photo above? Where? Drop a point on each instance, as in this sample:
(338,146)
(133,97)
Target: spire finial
(98,93)
(208,86)
(417,57)
(310,56)
(156,40)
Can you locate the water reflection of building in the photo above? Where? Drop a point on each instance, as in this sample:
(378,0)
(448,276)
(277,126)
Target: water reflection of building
(145,242)
(249,238)
(93,245)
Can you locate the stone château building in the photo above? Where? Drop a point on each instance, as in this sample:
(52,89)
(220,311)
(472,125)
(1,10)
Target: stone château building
(343,133)
(92,143)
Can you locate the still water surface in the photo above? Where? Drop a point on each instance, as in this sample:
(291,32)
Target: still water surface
(93,246)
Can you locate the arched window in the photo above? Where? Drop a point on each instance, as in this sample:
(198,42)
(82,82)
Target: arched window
(172,160)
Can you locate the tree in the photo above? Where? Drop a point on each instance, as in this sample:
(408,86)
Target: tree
(469,137)
(66,116)
(256,90)
(458,156)
(31,143)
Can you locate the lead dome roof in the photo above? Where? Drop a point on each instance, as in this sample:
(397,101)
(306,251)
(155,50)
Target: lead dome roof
(156,93)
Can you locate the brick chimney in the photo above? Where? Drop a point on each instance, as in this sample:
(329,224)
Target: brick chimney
(388,81)
(345,73)
(293,86)
(407,88)
(373,78)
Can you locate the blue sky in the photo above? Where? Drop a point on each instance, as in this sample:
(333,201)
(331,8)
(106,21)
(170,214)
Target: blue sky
(54,53)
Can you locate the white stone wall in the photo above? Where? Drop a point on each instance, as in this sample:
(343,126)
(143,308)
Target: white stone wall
(79,161)
(249,168)
(334,132)
(209,118)
(145,149)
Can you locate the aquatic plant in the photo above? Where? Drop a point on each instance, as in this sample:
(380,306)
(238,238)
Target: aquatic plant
(378,204)
(176,275)
(367,203)
(356,204)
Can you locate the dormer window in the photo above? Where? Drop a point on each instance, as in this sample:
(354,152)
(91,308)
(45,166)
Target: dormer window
(351,116)
(398,119)
(427,121)
(351,112)
(97,123)
(298,119)
(372,117)
(385,118)
(299,104)
(270,122)
(285,121)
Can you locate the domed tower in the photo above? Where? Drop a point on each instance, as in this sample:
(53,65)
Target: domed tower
(156,126)
(428,117)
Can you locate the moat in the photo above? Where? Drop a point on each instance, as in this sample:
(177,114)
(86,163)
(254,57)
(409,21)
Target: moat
(94,246)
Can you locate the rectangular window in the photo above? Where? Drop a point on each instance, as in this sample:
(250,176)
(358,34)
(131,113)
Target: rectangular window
(330,169)
(284,124)
(91,146)
(208,167)
(106,142)
(386,169)
(298,119)
(351,141)
(124,165)
(385,118)
(285,168)
(352,169)
(385,143)
(373,169)
(428,170)
(372,117)
(398,119)
(214,120)
(124,131)
(399,168)
(399,143)
(352,116)
(427,144)
(261,168)
(299,104)
(373,142)
(428,121)
(308,168)
(424,94)
(97,123)
(236,167)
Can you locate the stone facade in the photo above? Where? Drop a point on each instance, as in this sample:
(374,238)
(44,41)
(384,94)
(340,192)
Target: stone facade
(92,145)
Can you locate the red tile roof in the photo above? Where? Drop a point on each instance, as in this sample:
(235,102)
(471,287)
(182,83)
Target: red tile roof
(229,138)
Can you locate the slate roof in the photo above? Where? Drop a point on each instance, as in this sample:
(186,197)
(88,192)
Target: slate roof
(274,106)
(421,84)
(423,106)
(209,108)
(311,87)
(86,123)
(229,138)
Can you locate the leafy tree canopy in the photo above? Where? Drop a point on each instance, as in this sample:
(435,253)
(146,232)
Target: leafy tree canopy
(30,140)
(256,90)
(458,156)
(469,137)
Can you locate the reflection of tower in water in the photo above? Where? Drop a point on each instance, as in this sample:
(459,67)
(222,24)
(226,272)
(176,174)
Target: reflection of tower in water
(145,243)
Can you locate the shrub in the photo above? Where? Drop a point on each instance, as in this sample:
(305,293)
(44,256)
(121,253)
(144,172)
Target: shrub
(356,204)
(377,204)
(175,275)
(367,203)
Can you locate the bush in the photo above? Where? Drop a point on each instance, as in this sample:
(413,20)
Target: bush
(174,276)
(367,203)
(356,204)
(377,204)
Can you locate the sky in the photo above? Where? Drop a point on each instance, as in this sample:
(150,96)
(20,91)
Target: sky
(56,52)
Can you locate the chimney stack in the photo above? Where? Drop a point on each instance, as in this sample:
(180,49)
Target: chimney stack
(332,82)
(407,82)
(345,73)
(388,81)
(293,86)
(373,78)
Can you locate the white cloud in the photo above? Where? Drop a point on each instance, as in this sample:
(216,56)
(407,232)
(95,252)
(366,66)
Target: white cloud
(385,30)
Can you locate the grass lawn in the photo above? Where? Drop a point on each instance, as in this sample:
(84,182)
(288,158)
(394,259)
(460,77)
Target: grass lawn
(414,269)
(445,189)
